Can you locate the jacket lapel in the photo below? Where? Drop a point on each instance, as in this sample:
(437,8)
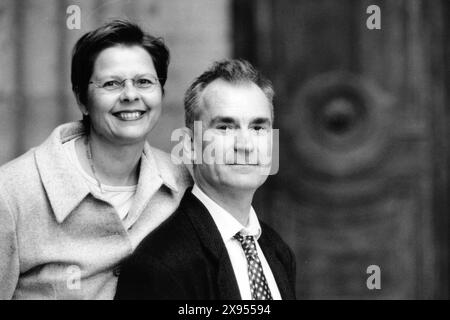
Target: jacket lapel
(226,280)
(210,238)
(64,187)
(278,270)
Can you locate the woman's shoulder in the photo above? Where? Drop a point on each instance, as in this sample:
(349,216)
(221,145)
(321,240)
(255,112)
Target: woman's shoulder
(25,171)
(166,162)
(19,179)
(21,166)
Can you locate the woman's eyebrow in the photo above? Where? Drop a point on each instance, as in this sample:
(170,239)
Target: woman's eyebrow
(120,76)
(146,74)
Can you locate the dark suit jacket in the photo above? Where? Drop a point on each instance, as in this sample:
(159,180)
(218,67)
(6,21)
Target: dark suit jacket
(185,259)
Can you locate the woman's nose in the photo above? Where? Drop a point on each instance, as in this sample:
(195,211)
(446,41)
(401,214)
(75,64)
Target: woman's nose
(129,92)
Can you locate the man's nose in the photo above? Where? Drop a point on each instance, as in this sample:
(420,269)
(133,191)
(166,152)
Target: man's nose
(129,92)
(244,141)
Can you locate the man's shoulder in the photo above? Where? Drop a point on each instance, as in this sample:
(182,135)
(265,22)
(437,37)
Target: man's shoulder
(173,241)
(273,238)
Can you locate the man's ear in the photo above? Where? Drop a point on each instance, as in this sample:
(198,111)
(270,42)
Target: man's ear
(188,145)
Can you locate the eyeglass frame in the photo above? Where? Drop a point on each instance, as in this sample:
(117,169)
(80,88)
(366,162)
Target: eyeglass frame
(122,84)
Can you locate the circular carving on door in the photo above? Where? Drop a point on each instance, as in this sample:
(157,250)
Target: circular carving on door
(339,124)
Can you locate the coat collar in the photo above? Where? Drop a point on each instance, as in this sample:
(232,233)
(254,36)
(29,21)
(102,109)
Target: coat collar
(227,224)
(154,173)
(278,270)
(203,223)
(66,188)
(211,239)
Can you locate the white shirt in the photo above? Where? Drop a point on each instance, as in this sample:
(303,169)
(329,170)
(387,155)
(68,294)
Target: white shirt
(228,226)
(120,197)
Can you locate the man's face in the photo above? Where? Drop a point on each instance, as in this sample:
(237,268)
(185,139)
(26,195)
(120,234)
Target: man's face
(236,126)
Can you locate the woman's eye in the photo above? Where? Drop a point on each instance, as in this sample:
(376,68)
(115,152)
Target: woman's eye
(111,84)
(144,82)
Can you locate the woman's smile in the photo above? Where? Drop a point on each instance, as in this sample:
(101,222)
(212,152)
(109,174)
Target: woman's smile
(129,115)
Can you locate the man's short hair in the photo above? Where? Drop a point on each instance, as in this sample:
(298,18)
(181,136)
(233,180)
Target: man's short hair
(114,33)
(235,71)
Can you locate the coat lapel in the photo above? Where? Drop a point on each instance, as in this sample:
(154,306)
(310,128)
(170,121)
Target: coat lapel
(226,280)
(279,271)
(210,238)
(64,187)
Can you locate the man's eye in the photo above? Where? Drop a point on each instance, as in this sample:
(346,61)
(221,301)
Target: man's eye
(224,127)
(259,128)
(112,84)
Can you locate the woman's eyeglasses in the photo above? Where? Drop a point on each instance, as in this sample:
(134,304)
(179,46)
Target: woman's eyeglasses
(146,84)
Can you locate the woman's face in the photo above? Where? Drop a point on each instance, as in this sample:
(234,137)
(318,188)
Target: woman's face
(124,115)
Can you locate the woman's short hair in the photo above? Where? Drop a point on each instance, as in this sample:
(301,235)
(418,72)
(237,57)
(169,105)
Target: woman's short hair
(234,71)
(116,32)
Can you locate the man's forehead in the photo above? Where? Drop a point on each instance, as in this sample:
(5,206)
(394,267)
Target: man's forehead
(219,88)
(223,99)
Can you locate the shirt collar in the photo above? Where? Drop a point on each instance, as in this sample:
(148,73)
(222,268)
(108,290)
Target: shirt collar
(66,188)
(253,228)
(228,226)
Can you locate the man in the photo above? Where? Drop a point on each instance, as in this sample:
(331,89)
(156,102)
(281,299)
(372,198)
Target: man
(213,246)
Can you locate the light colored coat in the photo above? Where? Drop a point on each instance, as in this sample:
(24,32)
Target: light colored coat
(57,241)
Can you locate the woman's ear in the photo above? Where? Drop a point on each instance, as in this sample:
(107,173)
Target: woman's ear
(81,106)
(83,110)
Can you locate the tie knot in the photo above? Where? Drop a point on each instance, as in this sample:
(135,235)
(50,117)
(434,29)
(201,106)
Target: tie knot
(248,244)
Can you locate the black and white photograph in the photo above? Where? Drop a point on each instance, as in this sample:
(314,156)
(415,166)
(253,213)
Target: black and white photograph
(224,150)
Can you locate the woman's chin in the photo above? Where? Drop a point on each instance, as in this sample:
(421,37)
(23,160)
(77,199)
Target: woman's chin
(131,136)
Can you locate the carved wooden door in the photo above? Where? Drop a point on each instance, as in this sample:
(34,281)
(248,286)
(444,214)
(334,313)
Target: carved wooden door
(363,174)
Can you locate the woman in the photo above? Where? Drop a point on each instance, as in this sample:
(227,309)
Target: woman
(73,208)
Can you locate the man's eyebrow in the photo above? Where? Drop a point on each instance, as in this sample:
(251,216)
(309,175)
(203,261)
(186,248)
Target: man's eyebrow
(222,120)
(257,121)
(261,120)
